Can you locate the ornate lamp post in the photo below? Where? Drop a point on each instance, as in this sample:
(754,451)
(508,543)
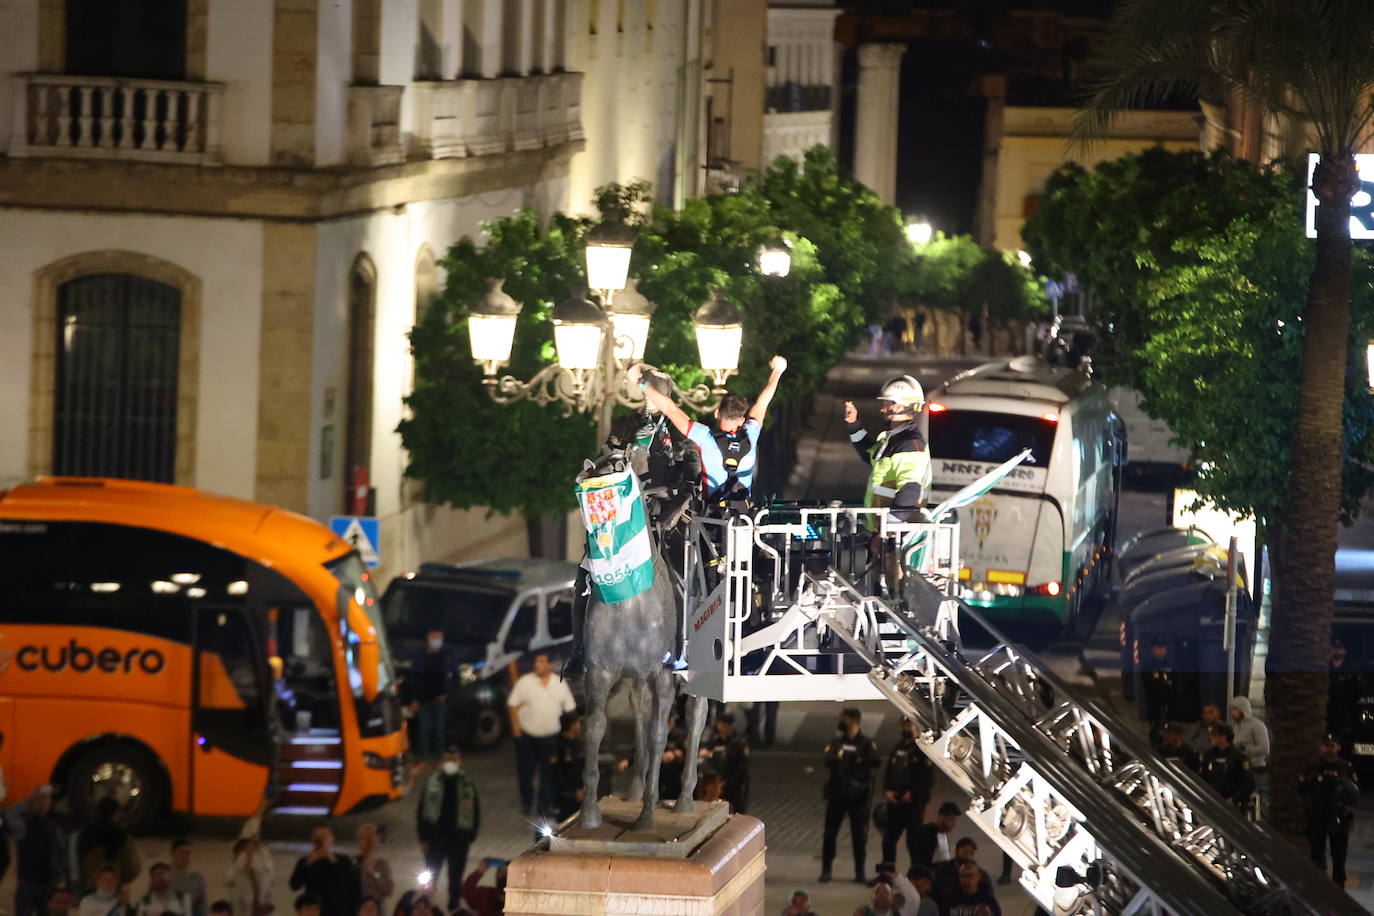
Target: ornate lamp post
(595,345)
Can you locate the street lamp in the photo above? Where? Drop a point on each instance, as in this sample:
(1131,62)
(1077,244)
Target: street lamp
(609,245)
(919,232)
(720,331)
(594,345)
(491,327)
(630,314)
(775,257)
(578,326)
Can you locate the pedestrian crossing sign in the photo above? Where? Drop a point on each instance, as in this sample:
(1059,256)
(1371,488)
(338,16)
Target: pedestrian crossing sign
(362,532)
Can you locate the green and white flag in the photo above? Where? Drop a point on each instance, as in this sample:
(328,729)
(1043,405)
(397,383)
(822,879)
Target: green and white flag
(914,550)
(620,555)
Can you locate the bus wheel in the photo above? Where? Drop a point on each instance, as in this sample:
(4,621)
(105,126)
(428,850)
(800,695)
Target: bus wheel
(123,773)
(487,727)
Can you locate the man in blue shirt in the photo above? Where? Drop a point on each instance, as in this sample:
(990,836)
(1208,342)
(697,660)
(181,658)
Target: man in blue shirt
(729,454)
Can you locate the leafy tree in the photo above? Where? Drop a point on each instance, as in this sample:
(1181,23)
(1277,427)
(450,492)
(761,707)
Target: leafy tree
(1316,56)
(849,261)
(957,274)
(1203,266)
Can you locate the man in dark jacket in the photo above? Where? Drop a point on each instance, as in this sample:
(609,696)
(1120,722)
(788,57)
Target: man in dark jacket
(728,755)
(907,782)
(933,844)
(39,845)
(851,757)
(1173,749)
(428,682)
(328,876)
(1226,768)
(447,821)
(970,897)
(1328,789)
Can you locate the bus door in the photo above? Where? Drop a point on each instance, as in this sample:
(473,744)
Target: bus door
(234,742)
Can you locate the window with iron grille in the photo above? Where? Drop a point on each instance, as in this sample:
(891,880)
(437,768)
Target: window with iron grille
(118,353)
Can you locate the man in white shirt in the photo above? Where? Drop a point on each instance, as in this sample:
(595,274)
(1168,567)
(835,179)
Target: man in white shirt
(537,703)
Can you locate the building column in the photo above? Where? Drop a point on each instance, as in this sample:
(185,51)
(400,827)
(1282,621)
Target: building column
(875,132)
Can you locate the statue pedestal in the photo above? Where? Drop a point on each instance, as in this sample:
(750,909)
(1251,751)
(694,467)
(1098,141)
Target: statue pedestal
(703,864)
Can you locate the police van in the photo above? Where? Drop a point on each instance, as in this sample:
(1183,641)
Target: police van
(496,616)
(1037,545)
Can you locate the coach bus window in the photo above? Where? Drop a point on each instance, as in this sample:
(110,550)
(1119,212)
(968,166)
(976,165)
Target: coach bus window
(36,555)
(980,435)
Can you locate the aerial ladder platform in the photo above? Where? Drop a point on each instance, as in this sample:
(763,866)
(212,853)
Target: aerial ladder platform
(1100,824)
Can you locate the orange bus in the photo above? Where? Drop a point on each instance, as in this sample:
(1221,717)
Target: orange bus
(141,626)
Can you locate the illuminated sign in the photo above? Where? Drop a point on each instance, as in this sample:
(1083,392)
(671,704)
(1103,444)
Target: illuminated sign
(1361,205)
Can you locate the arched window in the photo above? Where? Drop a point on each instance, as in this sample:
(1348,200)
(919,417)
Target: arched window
(131,38)
(362,315)
(426,282)
(118,352)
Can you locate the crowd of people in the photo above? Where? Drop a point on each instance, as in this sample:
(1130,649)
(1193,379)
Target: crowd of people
(1231,754)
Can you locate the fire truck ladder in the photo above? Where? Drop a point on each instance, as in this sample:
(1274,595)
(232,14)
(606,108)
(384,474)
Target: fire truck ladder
(1097,821)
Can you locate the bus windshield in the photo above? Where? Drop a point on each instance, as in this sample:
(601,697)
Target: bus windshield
(982,435)
(356,582)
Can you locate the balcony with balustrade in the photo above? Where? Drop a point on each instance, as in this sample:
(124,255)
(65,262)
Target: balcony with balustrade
(116,118)
(481,117)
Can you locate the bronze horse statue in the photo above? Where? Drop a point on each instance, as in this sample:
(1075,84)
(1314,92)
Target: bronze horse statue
(634,640)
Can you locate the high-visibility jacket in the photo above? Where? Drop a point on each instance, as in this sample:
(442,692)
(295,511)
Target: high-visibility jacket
(900,462)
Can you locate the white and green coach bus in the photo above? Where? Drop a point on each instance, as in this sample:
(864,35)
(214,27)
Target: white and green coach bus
(1039,544)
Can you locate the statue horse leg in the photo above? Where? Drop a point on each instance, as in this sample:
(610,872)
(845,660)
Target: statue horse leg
(640,707)
(696,721)
(598,683)
(660,682)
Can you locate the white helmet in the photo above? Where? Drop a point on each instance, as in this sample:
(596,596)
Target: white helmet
(904,390)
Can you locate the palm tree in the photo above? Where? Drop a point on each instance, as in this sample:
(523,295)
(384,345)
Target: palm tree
(1313,60)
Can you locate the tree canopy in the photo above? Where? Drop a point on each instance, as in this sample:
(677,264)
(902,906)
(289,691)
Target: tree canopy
(850,259)
(1201,265)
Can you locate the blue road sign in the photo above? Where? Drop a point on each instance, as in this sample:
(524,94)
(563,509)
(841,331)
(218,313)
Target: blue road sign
(362,532)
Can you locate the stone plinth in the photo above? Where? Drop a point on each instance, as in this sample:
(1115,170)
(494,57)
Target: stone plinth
(596,875)
(674,835)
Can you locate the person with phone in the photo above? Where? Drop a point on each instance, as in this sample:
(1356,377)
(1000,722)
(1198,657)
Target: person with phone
(448,819)
(486,901)
(327,876)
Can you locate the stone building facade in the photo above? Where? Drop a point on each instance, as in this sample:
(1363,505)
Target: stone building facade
(219,220)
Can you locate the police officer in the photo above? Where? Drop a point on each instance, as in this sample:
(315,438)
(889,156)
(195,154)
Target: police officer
(1343,695)
(727,754)
(1158,676)
(1226,769)
(1330,794)
(851,757)
(899,462)
(907,782)
(566,764)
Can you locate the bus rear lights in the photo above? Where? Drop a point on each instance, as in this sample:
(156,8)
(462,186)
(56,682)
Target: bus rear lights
(1052,589)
